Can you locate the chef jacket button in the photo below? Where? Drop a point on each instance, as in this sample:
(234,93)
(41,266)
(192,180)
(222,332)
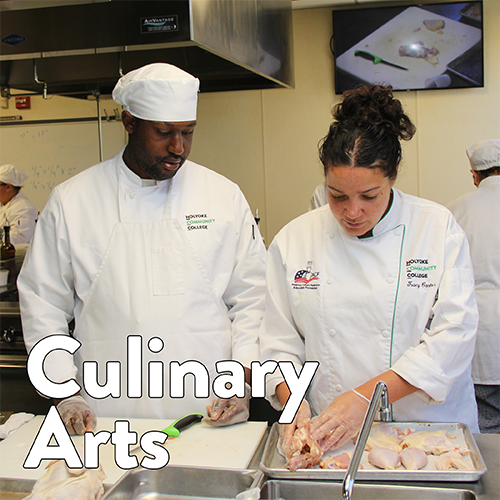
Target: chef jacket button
(332,333)
(331,235)
(338,388)
(330,281)
(398,231)
(385,333)
(390,280)
(131,195)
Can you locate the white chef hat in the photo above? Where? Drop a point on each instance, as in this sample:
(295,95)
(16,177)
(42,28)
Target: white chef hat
(484,154)
(12,175)
(158,92)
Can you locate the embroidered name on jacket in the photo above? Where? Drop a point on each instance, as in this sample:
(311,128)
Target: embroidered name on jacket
(198,221)
(419,272)
(306,279)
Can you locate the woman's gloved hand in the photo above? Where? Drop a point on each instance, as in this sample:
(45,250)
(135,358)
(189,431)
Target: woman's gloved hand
(77,415)
(229,411)
(339,421)
(287,431)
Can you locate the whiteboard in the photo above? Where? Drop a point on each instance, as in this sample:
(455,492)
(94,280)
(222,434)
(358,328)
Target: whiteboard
(51,153)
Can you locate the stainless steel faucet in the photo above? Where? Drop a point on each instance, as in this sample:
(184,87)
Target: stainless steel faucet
(380,396)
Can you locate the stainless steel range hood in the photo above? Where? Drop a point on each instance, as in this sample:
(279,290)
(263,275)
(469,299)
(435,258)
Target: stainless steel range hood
(79,48)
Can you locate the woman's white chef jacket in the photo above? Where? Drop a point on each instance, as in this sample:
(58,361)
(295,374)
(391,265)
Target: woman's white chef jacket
(402,299)
(479,215)
(21,215)
(208,293)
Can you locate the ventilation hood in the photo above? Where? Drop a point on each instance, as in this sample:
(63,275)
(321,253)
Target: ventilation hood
(81,48)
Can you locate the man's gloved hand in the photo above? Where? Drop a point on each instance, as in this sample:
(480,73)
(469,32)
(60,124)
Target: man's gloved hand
(62,483)
(287,431)
(339,421)
(77,415)
(229,411)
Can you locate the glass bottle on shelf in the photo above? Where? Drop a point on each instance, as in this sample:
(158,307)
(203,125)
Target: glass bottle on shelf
(8,250)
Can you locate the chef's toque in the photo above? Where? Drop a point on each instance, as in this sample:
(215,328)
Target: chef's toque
(158,92)
(484,154)
(12,175)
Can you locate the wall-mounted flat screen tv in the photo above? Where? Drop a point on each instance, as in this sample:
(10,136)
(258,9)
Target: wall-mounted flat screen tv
(411,46)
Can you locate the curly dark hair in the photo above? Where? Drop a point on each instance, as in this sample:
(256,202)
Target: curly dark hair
(368,126)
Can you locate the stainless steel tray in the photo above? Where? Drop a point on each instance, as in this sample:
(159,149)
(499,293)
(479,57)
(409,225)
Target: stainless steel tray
(173,482)
(320,490)
(273,464)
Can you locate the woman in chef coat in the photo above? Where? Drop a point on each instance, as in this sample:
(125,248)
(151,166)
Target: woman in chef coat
(376,285)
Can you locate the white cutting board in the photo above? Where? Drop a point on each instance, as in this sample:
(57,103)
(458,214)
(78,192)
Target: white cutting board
(229,447)
(407,27)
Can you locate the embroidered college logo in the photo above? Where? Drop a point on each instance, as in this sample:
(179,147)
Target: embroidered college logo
(198,221)
(305,278)
(420,273)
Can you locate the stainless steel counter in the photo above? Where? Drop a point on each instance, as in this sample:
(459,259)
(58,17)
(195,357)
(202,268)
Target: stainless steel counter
(486,488)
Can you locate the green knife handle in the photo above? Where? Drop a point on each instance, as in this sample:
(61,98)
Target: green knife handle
(368,55)
(173,430)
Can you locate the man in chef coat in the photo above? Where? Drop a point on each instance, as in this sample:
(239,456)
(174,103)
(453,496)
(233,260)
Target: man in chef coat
(478,214)
(156,258)
(16,210)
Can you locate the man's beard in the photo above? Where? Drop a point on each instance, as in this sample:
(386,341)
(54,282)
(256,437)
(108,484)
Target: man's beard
(153,166)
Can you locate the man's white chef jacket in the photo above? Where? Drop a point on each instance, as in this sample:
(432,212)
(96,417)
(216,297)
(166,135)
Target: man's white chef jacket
(75,228)
(479,215)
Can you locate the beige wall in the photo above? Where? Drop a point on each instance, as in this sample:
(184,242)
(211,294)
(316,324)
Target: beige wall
(266,141)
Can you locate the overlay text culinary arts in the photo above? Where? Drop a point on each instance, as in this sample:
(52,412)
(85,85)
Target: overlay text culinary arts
(229,382)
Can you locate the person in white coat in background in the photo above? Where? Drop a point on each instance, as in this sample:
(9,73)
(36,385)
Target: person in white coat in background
(319,197)
(377,285)
(151,246)
(478,213)
(16,210)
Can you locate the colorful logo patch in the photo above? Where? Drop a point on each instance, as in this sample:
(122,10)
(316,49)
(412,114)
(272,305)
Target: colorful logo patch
(306,278)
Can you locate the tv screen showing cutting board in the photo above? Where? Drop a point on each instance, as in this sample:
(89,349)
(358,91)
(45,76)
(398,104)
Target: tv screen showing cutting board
(411,47)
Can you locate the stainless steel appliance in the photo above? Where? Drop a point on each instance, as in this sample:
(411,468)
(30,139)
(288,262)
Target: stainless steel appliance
(16,391)
(79,48)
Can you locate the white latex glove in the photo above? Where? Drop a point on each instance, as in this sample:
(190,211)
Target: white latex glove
(62,483)
(77,415)
(13,423)
(339,421)
(287,431)
(229,411)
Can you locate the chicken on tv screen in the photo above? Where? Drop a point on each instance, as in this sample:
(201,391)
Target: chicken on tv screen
(411,47)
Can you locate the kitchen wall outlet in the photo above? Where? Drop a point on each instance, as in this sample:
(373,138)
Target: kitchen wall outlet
(4,103)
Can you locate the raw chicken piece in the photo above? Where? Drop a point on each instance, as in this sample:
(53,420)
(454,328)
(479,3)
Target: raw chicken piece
(337,462)
(384,458)
(62,483)
(385,436)
(434,24)
(450,460)
(435,443)
(418,50)
(413,458)
(304,450)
